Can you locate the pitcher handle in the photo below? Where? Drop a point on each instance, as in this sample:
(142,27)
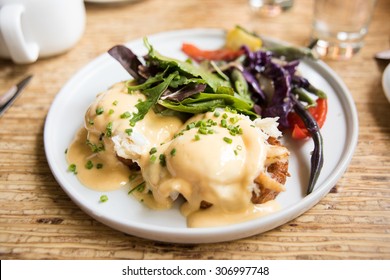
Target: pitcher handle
(11,30)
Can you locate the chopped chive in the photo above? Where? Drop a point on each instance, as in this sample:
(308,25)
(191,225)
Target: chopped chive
(235,152)
(225,116)
(89,164)
(111,111)
(234,119)
(234,130)
(132,123)
(162,160)
(91,122)
(99,165)
(129,131)
(223,123)
(140,187)
(153,158)
(173,152)
(99,110)
(152,151)
(125,115)
(239,147)
(216,114)
(95,148)
(190,125)
(178,134)
(227,140)
(196,137)
(66,151)
(228,109)
(115,103)
(72,168)
(103,198)
(109,129)
(202,130)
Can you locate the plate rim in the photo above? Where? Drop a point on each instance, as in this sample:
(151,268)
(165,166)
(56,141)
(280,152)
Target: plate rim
(210,235)
(386,82)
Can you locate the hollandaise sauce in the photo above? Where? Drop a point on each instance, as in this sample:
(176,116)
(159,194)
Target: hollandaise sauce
(212,159)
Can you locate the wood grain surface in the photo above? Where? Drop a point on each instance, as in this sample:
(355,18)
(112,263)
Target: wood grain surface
(39,221)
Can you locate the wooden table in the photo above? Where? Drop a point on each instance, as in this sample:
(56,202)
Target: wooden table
(39,221)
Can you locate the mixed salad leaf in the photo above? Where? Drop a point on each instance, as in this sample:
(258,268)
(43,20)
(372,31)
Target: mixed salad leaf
(245,76)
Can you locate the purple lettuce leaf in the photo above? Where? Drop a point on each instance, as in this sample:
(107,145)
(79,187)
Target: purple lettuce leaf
(184,92)
(128,60)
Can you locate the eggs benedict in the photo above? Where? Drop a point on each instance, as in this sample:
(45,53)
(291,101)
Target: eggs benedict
(225,167)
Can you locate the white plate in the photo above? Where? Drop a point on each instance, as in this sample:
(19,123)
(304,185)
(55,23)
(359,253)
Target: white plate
(124,213)
(386,82)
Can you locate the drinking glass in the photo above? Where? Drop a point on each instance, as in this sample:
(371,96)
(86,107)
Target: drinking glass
(340,26)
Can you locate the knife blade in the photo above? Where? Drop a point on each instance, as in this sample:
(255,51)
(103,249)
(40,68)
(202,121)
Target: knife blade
(9,97)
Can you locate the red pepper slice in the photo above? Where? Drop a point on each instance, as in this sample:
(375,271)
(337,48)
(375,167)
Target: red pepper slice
(299,133)
(221,54)
(319,113)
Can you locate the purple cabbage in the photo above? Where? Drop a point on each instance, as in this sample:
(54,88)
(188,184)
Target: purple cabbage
(280,104)
(261,63)
(255,86)
(283,100)
(291,67)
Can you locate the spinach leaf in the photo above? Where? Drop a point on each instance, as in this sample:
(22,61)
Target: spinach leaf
(194,108)
(185,67)
(152,96)
(147,84)
(204,102)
